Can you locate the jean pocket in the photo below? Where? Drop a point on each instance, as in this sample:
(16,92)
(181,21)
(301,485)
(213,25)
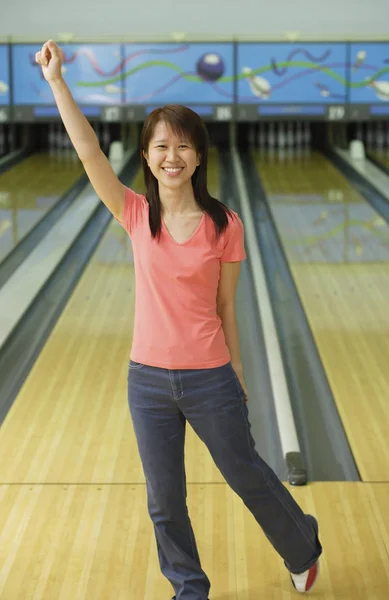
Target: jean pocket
(135,365)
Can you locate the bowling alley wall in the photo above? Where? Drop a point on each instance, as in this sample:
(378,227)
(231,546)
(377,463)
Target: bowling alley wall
(255,18)
(229,80)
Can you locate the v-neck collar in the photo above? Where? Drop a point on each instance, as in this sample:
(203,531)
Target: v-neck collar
(190,237)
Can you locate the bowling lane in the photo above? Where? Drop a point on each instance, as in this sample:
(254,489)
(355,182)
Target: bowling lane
(70,421)
(338,251)
(381,157)
(29,190)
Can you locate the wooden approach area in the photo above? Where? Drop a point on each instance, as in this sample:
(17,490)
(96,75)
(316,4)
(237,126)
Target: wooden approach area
(73,515)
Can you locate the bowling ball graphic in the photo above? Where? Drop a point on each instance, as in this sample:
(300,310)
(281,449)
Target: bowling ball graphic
(210,66)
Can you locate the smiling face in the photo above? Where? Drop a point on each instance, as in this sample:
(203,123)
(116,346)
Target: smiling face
(171,158)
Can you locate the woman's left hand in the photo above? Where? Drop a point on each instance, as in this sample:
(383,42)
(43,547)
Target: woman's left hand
(239,371)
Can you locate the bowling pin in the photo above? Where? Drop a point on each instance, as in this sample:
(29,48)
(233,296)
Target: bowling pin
(380,137)
(369,136)
(262,136)
(259,86)
(307,134)
(307,139)
(271,140)
(290,142)
(299,134)
(361,55)
(298,139)
(281,137)
(290,135)
(381,89)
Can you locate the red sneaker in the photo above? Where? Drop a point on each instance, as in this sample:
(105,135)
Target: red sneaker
(305,581)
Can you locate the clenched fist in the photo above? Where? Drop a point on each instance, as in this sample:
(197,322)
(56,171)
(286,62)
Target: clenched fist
(51,59)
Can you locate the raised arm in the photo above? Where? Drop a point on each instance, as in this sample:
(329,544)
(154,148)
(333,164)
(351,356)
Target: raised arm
(100,173)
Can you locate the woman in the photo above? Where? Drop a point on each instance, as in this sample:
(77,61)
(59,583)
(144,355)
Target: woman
(185,359)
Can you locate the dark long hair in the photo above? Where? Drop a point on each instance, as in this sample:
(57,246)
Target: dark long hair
(183,121)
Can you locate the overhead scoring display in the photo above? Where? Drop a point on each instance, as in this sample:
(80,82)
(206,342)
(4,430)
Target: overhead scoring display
(198,75)
(292,80)
(4,84)
(92,72)
(369,80)
(221,81)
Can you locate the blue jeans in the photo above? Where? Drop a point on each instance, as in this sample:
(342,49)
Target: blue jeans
(213,402)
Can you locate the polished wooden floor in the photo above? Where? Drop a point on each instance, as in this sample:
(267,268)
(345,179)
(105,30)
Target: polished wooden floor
(28,191)
(338,250)
(96,542)
(73,514)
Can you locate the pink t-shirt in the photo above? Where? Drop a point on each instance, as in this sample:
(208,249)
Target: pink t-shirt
(176,323)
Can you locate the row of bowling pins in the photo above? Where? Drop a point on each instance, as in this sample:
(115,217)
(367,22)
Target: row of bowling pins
(280,135)
(282,139)
(374,134)
(60,145)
